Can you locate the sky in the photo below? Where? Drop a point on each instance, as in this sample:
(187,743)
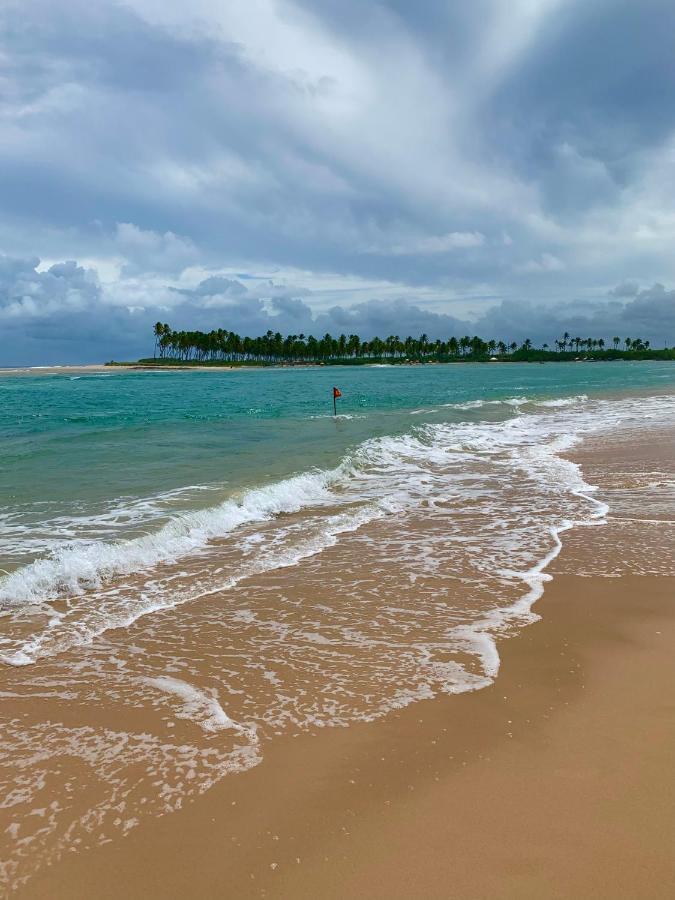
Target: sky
(370,166)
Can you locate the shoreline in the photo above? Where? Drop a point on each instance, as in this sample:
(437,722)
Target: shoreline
(553,781)
(198,367)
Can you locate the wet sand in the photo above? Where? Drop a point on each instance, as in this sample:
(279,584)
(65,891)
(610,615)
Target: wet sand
(94,368)
(556,781)
(55,370)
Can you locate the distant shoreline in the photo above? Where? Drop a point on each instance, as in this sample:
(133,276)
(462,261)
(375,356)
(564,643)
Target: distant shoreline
(144,366)
(180,366)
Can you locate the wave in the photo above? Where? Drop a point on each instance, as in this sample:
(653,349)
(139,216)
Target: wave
(563,401)
(517,402)
(71,571)
(381,477)
(343,416)
(479,404)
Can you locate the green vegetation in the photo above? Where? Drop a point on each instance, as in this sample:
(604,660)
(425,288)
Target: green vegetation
(221,347)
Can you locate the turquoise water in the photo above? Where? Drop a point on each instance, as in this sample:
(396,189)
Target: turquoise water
(109,455)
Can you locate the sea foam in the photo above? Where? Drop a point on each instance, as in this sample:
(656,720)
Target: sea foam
(71,571)
(381,477)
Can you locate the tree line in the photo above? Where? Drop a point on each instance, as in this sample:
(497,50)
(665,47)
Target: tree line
(225,346)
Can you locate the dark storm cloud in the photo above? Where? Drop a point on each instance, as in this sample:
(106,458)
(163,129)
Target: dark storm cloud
(522,151)
(650,315)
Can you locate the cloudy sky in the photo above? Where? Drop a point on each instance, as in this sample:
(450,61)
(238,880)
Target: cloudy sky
(362,165)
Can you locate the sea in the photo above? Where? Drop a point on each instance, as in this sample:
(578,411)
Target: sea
(196,563)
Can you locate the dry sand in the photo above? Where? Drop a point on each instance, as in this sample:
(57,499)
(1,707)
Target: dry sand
(556,781)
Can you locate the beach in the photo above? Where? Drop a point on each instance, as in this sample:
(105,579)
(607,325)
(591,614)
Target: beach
(555,781)
(337,450)
(385,715)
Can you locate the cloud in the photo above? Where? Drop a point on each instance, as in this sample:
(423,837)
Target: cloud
(64,313)
(547,262)
(28,294)
(433,244)
(649,315)
(625,289)
(148,251)
(436,153)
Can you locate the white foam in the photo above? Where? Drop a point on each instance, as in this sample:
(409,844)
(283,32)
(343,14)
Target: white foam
(563,401)
(344,416)
(198,705)
(82,626)
(71,571)
(479,404)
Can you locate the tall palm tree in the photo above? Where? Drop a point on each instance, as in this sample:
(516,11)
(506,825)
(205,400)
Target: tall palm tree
(158,331)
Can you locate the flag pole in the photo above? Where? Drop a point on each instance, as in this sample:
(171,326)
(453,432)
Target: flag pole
(336,393)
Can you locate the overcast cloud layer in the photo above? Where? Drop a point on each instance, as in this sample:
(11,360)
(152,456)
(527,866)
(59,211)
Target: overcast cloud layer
(306,165)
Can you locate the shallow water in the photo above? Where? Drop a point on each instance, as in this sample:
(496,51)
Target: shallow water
(190,575)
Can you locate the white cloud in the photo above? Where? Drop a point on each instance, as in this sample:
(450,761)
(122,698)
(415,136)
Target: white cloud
(547,262)
(148,251)
(430,245)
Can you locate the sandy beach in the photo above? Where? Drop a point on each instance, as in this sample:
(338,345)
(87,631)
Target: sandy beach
(555,781)
(54,370)
(97,368)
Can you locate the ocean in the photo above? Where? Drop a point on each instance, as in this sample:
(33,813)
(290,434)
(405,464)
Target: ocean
(210,559)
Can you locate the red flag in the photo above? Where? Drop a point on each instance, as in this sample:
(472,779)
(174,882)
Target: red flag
(336,392)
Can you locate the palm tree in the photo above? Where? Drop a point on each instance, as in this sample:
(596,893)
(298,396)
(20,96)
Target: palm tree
(478,346)
(220,344)
(158,331)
